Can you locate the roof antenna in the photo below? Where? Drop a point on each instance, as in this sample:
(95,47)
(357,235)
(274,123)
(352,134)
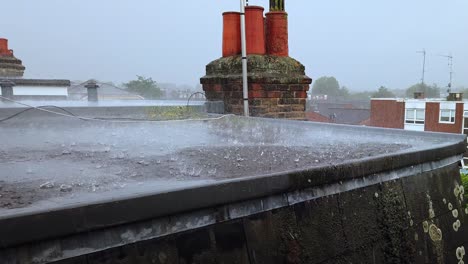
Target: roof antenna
(424,64)
(450,64)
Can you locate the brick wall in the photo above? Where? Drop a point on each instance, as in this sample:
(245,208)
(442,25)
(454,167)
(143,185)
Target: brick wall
(265,100)
(387,113)
(432,119)
(277,86)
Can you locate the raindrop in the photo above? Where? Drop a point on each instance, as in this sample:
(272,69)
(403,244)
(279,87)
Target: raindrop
(47,185)
(142,162)
(65,188)
(120,155)
(95,187)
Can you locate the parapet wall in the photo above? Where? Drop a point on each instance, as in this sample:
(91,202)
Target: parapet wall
(405,216)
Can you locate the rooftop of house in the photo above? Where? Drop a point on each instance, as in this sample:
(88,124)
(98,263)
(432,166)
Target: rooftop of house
(78,91)
(39,82)
(341,113)
(419,100)
(103,103)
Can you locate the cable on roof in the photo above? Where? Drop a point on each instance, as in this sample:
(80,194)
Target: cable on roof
(190,97)
(71,115)
(39,107)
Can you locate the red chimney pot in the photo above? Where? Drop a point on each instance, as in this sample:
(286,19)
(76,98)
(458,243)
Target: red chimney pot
(231,34)
(277,33)
(3,46)
(255,30)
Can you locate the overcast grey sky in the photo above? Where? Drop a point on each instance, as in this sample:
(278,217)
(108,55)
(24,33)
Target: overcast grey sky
(364,44)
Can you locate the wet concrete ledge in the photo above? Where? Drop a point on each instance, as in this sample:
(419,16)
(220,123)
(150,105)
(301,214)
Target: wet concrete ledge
(80,247)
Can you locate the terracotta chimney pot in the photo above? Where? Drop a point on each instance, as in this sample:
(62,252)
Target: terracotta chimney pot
(231,34)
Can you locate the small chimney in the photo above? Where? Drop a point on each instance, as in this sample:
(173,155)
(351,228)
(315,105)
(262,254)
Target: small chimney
(419,95)
(455,97)
(7,89)
(4,51)
(276,5)
(92,91)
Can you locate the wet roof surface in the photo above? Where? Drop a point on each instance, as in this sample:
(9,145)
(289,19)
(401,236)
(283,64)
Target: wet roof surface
(62,161)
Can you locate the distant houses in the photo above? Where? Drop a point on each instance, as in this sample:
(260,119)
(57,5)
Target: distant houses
(328,110)
(35,89)
(106,91)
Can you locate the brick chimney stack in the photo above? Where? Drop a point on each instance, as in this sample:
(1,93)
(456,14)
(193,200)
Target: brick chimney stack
(10,67)
(4,51)
(277,83)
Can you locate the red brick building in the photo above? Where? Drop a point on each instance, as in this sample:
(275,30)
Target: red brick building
(420,114)
(436,115)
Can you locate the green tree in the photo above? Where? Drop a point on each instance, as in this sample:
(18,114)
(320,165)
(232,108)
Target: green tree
(364,96)
(430,91)
(344,92)
(383,92)
(326,86)
(462,90)
(146,87)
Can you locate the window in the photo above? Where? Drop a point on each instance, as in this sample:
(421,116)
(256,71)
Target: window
(447,116)
(415,116)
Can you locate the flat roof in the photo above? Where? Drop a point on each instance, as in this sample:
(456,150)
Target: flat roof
(39,82)
(60,168)
(418,100)
(102,103)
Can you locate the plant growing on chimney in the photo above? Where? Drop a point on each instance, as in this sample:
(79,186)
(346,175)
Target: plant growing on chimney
(276,5)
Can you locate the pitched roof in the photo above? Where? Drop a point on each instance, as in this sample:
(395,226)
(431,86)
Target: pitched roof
(105,91)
